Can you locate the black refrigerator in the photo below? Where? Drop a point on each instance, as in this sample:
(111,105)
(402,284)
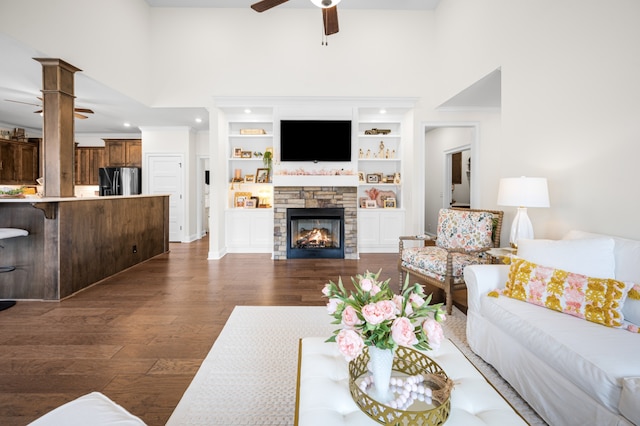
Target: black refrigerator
(120,180)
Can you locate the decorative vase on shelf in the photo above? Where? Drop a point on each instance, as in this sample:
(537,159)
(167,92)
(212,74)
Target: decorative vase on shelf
(380,365)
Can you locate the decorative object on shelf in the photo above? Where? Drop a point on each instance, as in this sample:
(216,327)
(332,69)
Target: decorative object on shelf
(253,132)
(373,178)
(372,193)
(360,176)
(370,204)
(389,203)
(323,172)
(246,154)
(258,154)
(396,178)
(368,153)
(371,315)
(262,176)
(381,150)
(249,178)
(250,203)
(267,160)
(375,131)
(240,198)
(237,152)
(360,153)
(421,391)
(383,196)
(522,192)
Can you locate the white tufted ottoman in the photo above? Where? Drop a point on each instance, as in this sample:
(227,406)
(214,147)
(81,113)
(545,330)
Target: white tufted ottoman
(323,396)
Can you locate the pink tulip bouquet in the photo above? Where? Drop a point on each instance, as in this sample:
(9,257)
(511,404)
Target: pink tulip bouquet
(373,315)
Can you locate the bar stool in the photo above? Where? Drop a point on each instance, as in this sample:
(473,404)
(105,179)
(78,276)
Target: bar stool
(9,233)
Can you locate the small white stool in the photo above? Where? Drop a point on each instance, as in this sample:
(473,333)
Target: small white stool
(11,233)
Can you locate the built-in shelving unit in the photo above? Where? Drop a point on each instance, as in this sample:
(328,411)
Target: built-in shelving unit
(377,165)
(379,150)
(249,215)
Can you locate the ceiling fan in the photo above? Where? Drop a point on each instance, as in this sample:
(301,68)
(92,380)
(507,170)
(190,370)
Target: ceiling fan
(77,112)
(329,12)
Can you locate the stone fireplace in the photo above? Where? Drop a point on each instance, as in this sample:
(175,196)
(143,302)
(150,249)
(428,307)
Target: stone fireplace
(343,198)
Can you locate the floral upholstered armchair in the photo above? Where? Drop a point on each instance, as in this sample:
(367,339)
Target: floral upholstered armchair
(463,237)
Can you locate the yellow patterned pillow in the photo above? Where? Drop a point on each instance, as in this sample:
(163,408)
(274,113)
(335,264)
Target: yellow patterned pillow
(598,300)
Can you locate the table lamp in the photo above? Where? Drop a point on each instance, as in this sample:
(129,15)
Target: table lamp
(522,192)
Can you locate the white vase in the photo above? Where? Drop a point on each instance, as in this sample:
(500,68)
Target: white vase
(380,365)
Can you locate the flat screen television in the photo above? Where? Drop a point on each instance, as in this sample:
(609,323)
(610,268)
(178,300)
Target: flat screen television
(315,140)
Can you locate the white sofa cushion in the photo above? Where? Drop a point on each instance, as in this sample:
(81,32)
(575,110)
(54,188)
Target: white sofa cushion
(593,257)
(596,365)
(626,253)
(630,399)
(92,409)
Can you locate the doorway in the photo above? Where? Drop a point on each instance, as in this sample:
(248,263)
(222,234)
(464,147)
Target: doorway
(166,177)
(441,142)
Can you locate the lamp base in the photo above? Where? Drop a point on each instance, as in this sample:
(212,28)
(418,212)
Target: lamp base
(521,228)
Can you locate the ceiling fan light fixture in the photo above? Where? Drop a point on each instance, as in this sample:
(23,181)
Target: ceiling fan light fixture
(325,4)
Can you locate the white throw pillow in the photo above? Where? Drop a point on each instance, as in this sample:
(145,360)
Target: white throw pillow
(593,257)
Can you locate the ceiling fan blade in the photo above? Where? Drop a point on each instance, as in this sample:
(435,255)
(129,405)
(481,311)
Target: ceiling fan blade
(80,116)
(20,102)
(330,20)
(263,5)
(85,110)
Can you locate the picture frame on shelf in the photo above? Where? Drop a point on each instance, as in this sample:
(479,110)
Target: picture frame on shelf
(256,201)
(250,203)
(363,202)
(240,198)
(246,154)
(249,178)
(390,179)
(237,152)
(389,203)
(370,204)
(262,175)
(373,178)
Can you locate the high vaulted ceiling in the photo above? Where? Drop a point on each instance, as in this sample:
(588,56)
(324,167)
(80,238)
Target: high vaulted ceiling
(21,79)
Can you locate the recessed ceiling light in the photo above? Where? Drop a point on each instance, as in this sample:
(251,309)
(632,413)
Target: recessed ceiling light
(127,124)
(383,111)
(247,110)
(198,120)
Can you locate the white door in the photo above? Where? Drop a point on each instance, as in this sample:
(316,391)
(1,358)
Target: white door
(166,177)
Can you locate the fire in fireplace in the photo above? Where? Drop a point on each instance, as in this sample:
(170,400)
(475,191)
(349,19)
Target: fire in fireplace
(315,233)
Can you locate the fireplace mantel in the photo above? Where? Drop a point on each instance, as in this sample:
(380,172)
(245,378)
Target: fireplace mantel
(315,180)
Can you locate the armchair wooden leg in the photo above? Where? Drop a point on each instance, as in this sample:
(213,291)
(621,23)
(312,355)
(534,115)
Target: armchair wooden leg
(448,295)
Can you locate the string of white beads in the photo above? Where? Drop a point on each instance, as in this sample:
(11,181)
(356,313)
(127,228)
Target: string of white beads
(406,389)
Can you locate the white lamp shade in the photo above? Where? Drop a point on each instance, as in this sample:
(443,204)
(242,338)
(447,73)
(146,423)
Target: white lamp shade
(324,4)
(523,192)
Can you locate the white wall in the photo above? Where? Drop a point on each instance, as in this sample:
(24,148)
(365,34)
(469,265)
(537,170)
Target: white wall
(569,101)
(108,40)
(569,78)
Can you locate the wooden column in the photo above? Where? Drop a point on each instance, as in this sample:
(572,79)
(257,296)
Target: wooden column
(58,132)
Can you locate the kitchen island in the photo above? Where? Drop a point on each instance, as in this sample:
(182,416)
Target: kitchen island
(76,242)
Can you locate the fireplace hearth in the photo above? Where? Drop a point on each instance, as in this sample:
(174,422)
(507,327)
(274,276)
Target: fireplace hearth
(315,233)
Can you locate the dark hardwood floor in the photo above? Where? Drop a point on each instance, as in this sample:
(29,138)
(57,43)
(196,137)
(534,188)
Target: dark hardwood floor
(140,336)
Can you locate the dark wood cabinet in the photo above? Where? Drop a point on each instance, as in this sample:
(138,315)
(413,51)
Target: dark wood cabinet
(88,161)
(123,152)
(19,164)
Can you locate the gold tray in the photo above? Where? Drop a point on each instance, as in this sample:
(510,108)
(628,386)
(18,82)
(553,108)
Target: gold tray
(410,362)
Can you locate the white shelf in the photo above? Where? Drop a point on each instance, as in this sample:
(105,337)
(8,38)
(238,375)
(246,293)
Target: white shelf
(321,180)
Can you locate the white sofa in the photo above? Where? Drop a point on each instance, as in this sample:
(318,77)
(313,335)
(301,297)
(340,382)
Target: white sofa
(570,370)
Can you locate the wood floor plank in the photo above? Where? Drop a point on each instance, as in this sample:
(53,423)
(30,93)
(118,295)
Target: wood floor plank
(139,337)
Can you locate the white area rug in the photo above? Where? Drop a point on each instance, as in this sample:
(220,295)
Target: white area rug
(249,376)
